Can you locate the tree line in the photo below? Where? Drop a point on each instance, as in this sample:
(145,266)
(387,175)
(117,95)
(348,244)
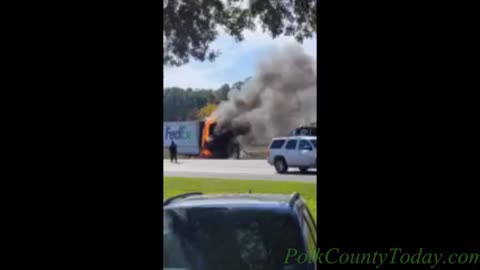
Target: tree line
(188,104)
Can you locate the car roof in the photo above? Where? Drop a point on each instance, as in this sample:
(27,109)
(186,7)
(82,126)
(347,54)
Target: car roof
(233,200)
(296,137)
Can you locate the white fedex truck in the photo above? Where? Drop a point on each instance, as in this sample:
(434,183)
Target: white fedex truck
(186,135)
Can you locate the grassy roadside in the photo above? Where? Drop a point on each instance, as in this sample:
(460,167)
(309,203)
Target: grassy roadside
(175,185)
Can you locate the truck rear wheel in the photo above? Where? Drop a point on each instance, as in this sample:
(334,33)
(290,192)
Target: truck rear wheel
(233,151)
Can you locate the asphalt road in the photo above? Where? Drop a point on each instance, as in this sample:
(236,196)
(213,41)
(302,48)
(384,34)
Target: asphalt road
(233,169)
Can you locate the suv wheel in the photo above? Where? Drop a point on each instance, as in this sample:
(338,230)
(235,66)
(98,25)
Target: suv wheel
(303,169)
(280,165)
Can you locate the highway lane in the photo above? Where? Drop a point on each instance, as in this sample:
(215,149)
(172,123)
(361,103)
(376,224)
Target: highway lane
(233,169)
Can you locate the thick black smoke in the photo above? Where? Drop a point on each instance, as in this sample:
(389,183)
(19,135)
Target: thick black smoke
(280,97)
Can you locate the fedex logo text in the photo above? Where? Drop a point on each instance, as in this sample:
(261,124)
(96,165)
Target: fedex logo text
(181,133)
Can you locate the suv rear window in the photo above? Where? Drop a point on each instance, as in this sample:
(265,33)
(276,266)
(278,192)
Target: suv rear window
(219,238)
(277,144)
(291,145)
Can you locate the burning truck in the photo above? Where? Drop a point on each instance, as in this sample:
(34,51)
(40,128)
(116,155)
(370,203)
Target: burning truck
(204,139)
(199,138)
(222,144)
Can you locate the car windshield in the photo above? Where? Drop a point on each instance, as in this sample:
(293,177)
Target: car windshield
(314,142)
(209,238)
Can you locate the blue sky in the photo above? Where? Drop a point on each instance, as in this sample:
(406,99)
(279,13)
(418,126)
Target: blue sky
(236,62)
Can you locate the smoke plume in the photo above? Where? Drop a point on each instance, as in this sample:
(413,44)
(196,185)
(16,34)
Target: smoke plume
(281,96)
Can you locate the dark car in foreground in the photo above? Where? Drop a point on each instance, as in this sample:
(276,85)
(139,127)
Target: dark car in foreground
(237,232)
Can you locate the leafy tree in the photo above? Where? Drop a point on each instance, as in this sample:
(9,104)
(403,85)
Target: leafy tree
(207,111)
(192,114)
(238,85)
(190,26)
(222,93)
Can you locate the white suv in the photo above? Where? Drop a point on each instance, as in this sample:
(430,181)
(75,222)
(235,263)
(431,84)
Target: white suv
(295,151)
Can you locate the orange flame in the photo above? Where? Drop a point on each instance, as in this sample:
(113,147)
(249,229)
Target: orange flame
(206,134)
(206,153)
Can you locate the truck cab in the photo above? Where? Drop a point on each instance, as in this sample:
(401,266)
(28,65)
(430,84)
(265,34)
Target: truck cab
(224,145)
